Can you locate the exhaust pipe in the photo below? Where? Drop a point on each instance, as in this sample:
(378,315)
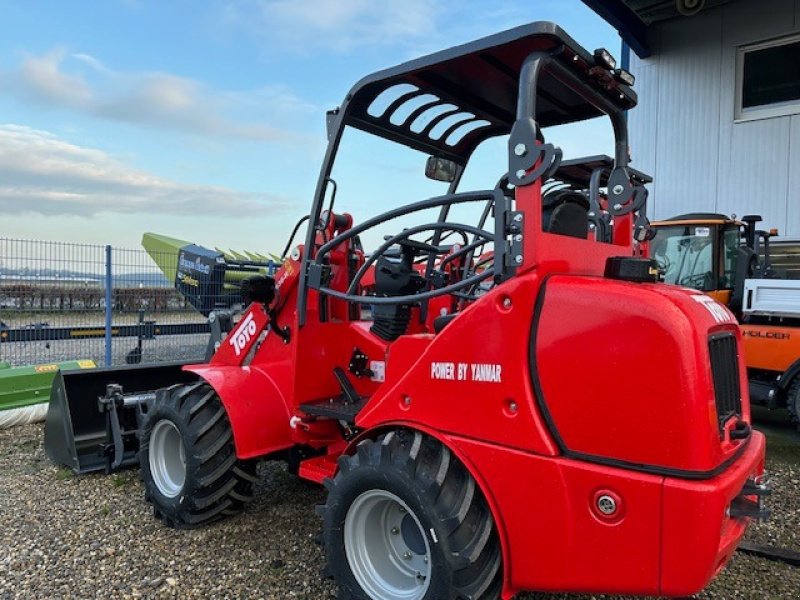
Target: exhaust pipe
(764,393)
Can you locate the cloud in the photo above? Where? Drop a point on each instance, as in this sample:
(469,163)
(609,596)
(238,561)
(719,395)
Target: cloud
(82,83)
(341,27)
(409,27)
(42,174)
(41,77)
(91,61)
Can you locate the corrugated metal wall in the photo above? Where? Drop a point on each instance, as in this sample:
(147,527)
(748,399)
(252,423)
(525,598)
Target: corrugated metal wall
(683,132)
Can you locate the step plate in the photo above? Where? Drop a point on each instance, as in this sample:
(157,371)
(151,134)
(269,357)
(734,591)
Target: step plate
(319,468)
(337,408)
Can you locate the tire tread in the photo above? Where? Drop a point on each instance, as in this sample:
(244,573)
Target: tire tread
(219,484)
(473,548)
(793,400)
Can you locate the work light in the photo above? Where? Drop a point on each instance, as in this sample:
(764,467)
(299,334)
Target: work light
(603,58)
(625,77)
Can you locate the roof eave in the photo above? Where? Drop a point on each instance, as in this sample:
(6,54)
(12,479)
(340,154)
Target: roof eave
(630,27)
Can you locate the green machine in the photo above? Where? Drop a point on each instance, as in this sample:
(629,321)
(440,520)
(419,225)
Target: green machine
(25,391)
(208,279)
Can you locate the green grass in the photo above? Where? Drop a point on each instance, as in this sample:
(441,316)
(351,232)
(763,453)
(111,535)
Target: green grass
(63,474)
(122,479)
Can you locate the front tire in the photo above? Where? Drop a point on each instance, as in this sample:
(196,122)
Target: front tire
(404,520)
(188,460)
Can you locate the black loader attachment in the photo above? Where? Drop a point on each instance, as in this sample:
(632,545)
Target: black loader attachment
(92,422)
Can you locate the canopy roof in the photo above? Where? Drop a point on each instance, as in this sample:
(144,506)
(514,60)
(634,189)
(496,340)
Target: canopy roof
(698,219)
(448,102)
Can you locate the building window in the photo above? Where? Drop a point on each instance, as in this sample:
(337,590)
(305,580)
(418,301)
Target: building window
(768,79)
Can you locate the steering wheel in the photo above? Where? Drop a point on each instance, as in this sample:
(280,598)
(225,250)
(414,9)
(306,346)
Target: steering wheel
(414,247)
(697,281)
(663,262)
(418,247)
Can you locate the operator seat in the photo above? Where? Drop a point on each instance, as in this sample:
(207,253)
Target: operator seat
(566,212)
(394,276)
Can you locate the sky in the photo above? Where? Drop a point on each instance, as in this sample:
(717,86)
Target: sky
(205,121)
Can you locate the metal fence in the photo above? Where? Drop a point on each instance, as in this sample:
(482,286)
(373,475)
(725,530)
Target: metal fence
(65,301)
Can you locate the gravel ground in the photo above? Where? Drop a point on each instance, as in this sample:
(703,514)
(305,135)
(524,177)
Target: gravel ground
(94,537)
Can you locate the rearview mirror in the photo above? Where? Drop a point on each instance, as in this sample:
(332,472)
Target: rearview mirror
(441,169)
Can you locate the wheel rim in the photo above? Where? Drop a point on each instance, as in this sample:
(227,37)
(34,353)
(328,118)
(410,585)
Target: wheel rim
(386,547)
(167,458)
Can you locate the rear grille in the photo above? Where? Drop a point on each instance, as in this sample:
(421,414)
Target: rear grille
(725,371)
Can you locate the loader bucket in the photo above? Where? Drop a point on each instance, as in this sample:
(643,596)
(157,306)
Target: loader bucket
(78,431)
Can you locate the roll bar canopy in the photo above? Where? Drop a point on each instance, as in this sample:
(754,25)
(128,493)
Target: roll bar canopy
(475,87)
(514,82)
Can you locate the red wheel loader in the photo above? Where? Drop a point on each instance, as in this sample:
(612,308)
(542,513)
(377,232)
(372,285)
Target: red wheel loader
(505,404)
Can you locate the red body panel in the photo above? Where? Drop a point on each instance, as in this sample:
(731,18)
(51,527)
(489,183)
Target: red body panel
(663,358)
(583,552)
(672,538)
(486,333)
(554,540)
(256,408)
(698,537)
(235,348)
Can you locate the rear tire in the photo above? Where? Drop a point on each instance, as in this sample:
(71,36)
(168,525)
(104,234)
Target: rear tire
(404,520)
(188,461)
(793,401)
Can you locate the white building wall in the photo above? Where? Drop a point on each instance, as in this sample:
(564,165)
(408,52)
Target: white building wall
(683,131)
